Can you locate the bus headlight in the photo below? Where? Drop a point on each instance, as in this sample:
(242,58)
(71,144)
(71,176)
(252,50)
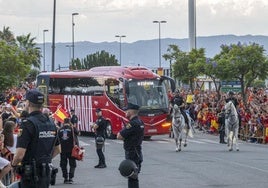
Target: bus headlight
(167,124)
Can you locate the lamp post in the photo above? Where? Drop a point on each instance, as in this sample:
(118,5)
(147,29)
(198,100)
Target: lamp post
(44,49)
(120,36)
(53,37)
(73,14)
(159,23)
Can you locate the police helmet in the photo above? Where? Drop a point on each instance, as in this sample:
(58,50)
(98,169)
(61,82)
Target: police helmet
(230,93)
(128,168)
(177,91)
(99,140)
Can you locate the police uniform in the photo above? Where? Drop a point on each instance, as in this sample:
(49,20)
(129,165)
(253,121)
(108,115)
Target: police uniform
(236,104)
(100,138)
(65,134)
(133,134)
(234,101)
(74,118)
(38,137)
(221,120)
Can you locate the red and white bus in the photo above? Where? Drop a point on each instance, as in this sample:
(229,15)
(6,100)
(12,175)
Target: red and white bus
(110,88)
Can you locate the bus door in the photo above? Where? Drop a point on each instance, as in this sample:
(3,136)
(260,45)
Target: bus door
(115,91)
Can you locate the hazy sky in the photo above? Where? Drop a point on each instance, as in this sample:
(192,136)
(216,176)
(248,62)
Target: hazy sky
(101,20)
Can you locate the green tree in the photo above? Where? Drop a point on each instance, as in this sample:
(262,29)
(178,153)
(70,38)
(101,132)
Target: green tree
(32,53)
(17,56)
(7,35)
(93,60)
(13,68)
(185,64)
(242,62)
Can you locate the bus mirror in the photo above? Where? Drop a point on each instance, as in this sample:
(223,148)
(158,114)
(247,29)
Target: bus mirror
(126,86)
(125,83)
(170,81)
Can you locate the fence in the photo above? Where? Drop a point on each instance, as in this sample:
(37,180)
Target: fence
(260,135)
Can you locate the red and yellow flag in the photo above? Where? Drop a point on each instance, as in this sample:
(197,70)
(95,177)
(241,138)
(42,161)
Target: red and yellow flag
(60,114)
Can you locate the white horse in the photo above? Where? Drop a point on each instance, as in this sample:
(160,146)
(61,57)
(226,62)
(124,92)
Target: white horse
(178,126)
(231,125)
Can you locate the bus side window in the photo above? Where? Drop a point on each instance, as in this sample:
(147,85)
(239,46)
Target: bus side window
(112,91)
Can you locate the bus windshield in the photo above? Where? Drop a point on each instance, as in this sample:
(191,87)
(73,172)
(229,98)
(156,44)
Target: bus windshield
(148,94)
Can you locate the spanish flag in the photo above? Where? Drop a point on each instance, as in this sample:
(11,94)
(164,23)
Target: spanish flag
(60,114)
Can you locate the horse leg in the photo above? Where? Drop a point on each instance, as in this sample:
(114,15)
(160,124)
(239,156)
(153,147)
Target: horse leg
(185,141)
(231,139)
(176,137)
(180,144)
(236,139)
(227,132)
(177,144)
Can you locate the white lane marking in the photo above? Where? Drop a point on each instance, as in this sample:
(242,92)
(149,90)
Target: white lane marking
(81,143)
(162,142)
(189,140)
(118,141)
(196,141)
(209,141)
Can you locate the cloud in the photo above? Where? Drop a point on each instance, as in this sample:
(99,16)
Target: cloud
(100,20)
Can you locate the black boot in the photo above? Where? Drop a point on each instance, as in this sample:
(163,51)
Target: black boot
(71,175)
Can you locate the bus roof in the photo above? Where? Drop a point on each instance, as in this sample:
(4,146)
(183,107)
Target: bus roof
(106,71)
(126,72)
(67,74)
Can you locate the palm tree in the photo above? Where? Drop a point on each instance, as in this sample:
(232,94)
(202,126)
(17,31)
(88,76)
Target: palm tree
(7,36)
(27,45)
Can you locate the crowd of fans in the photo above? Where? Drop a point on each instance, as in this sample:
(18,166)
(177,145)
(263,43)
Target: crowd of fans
(205,107)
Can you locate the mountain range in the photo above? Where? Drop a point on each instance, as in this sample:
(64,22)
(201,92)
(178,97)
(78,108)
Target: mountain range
(142,52)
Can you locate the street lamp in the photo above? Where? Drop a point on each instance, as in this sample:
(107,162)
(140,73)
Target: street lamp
(44,49)
(73,14)
(120,36)
(159,23)
(53,37)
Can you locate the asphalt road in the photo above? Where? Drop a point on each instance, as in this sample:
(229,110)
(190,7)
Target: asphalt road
(204,163)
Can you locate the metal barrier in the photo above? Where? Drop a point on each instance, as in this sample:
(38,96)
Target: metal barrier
(261,134)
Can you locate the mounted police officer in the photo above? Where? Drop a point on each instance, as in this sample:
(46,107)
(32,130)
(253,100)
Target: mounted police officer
(232,98)
(132,135)
(178,100)
(37,144)
(100,129)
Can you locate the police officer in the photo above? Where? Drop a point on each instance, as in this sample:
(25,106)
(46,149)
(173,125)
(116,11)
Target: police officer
(132,134)
(232,98)
(221,121)
(100,129)
(67,136)
(37,144)
(178,100)
(74,118)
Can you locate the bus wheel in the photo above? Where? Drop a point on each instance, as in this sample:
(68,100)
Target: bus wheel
(109,132)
